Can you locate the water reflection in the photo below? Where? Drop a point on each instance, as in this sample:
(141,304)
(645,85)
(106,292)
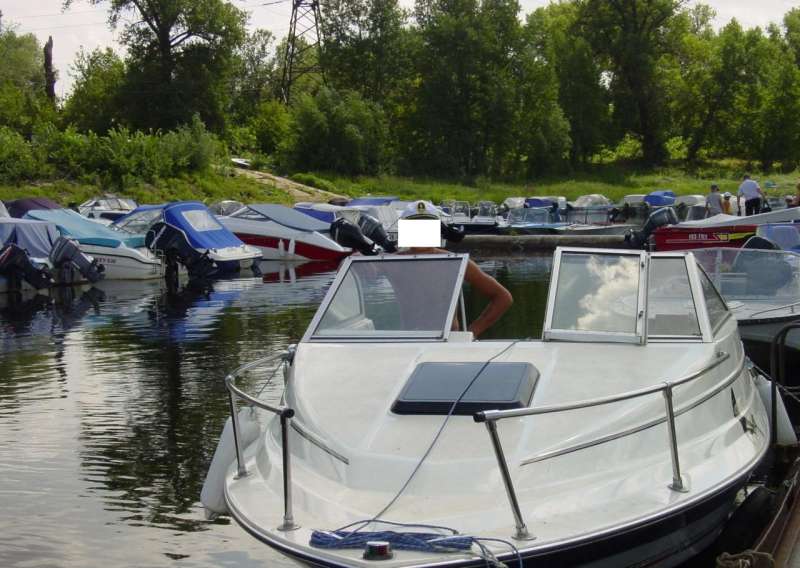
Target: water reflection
(112,401)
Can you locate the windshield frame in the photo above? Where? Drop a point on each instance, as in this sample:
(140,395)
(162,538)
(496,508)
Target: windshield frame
(396,336)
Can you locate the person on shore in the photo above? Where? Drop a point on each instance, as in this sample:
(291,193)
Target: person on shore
(713,201)
(727,207)
(750,191)
(500,299)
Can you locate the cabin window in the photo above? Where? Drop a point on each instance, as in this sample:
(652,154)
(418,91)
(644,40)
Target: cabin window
(597,293)
(393,298)
(717,310)
(670,305)
(201,220)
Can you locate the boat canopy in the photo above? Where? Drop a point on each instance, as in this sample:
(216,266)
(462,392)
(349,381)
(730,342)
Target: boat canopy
(377,200)
(286,216)
(722,220)
(627,296)
(767,281)
(393,297)
(530,215)
(19,207)
(83,230)
(201,227)
(660,198)
(785,235)
(591,200)
(36,237)
(3,211)
(539,202)
(139,220)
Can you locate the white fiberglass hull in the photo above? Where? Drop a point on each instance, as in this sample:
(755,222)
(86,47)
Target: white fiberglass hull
(587,480)
(125,263)
(278,242)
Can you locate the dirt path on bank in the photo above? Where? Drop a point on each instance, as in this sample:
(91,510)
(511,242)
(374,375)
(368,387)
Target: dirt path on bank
(297,191)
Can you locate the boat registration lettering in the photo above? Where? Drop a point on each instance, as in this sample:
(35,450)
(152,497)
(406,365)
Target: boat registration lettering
(105,260)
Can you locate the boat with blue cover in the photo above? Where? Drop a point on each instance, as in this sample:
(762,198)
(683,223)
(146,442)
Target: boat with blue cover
(189,236)
(621,438)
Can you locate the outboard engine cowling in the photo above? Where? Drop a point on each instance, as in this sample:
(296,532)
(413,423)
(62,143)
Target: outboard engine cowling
(452,233)
(67,258)
(658,218)
(176,248)
(374,231)
(349,235)
(16,265)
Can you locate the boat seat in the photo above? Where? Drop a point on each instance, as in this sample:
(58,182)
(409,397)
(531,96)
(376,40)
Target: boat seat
(785,237)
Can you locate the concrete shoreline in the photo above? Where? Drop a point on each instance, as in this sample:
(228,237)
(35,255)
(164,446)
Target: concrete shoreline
(524,243)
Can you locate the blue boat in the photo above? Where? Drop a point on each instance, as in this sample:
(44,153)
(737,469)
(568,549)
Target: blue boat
(660,198)
(187,231)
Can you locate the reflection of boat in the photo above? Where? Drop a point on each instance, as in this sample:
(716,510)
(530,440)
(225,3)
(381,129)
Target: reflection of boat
(122,255)
(283,233)
(280,271)
(718,231)
(624,434)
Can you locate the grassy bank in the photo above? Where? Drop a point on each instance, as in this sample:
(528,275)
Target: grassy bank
(208,188)
(614,182)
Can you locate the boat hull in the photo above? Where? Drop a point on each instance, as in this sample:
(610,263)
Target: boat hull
(123,263)
(667,541)
(276,248)
(688,238)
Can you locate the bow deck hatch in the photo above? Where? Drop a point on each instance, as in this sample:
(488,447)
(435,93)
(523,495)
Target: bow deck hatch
(433,387)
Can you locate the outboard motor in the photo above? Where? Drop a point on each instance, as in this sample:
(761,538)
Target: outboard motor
(348,234)
(658,218)
(67,259)
(177,249)
(16,265)
(374,231)
(452,233)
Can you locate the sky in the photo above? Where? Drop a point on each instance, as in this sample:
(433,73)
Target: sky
(85,26)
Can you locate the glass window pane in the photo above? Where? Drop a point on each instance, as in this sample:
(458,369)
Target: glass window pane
(670,305)
(597,292)
(392,298)
(714,304)
(201,220)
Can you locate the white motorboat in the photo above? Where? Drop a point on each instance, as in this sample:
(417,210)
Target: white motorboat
(281,233)
(106,209)
(619,439)
(123,256)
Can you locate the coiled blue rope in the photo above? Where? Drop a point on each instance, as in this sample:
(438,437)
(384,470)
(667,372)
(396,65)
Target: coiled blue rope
(421,542)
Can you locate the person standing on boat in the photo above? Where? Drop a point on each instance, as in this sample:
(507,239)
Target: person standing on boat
(500,299)
(727,208)
(752,194)
(713,201)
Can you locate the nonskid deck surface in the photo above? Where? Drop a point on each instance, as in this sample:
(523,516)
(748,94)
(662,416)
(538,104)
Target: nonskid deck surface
(564,497)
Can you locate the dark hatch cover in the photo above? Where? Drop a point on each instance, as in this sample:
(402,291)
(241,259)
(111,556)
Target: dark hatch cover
(433,388)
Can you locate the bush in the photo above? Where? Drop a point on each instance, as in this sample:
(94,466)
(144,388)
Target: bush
(336,132)
(270,126)
(18,161)
(314,181)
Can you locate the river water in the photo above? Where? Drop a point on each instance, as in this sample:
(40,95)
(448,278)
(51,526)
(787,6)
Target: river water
(112,401)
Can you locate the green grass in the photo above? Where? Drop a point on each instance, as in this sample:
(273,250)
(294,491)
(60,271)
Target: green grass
(613,182)
(208,187)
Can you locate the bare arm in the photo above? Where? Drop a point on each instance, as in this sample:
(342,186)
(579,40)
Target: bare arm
(500,299)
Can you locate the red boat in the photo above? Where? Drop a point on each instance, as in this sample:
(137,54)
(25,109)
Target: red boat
(677,237)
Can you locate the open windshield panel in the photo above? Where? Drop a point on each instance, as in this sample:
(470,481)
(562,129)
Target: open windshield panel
(391,298)
(621,296)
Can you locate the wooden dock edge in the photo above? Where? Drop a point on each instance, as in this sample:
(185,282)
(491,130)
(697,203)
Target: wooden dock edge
(531,243)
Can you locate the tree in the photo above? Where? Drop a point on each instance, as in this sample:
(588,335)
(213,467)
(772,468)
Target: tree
(255,77)
(95,103)
(634,35)
(180,54)
(791,24)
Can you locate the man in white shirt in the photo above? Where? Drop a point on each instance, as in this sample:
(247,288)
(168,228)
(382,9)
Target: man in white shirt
(751,192)
(713,202)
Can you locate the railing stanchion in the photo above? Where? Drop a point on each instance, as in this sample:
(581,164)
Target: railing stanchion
(521,529)
(677,481)
(241,470)
(288,516)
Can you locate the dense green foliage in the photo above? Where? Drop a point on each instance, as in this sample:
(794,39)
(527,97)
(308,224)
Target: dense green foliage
(466,90)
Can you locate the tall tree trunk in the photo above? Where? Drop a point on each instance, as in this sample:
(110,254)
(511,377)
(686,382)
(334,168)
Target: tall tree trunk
(49,72)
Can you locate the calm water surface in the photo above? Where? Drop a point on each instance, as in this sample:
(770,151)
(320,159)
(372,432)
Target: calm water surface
(112,401)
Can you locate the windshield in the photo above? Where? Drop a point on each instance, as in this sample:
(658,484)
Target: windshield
(201,220)
(533,215)
(392,297)
(137,223)
(486,209)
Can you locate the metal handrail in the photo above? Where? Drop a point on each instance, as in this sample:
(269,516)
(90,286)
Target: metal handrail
(775,309)
(491,417)
(284,412)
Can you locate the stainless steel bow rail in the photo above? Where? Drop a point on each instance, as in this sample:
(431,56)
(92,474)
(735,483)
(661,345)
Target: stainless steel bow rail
(284,413)
(491,417)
